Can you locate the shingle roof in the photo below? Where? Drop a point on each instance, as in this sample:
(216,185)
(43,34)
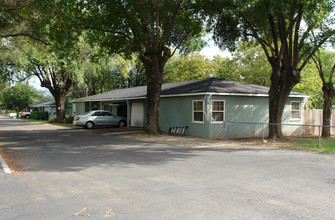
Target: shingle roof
(201,86)
(49,103)
(43,104)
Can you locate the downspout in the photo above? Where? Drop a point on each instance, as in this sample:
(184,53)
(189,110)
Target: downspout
(208,113)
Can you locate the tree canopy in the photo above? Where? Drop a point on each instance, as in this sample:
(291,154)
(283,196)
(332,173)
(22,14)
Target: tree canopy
(149,28)
(289,32)
(17,97)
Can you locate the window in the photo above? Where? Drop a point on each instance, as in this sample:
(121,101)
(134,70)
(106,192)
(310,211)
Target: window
(198,111)
(295,111)
(107,114)
(97,114)
(218,111)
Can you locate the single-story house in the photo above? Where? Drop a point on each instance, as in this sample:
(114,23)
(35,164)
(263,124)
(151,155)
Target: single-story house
(202,105)
(50,107)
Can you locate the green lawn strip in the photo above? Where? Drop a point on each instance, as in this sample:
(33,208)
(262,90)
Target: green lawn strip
(47,122)
(312,143)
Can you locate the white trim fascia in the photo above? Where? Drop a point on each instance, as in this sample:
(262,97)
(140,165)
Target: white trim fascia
(112,100)
(191,94)
(230,94)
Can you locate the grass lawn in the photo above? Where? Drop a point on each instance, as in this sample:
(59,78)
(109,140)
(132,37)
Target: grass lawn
(47,122)
(312,143)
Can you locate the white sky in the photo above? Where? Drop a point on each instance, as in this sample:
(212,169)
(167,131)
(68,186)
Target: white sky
(212,50)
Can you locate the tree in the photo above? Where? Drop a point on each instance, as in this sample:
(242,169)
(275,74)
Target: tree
(289,32)
(17,97)
(22,19)
(225,68)
(251,64)
(310,84)
(36,44)
(183,68)
(325,64)
(114,72)
(149,28)
(247,64)
(56,73)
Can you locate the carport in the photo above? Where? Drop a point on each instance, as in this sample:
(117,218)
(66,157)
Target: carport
(119,103)
(132,110)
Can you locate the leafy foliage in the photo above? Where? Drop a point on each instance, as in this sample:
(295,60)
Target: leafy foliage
(149,28)
(247,64)
(183,68)
(311,84)
(113,72)
(289,32)
(39,115)
(17,97)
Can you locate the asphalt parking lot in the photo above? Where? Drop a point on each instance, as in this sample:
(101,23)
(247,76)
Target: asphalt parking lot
(71,173)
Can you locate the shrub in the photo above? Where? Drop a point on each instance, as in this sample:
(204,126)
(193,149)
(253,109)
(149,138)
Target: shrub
(56,120)
(39,115)
(69,120)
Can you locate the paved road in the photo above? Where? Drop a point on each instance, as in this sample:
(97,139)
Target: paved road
(75,174)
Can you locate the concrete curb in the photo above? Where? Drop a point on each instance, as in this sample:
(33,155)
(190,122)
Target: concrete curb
(126,132)
(4,165)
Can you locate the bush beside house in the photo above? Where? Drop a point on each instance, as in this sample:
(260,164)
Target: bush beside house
(39,115)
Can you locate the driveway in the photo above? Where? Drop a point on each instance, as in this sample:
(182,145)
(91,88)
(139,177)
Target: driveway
(76,174)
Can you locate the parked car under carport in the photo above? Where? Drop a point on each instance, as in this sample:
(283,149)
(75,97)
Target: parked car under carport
(99,118)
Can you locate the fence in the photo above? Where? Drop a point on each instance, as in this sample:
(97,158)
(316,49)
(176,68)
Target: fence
(314,117)
(263,127)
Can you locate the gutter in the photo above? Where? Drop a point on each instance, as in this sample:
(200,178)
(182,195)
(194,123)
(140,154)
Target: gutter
(189,94)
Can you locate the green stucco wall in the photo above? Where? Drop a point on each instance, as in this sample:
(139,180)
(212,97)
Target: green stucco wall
(177,111)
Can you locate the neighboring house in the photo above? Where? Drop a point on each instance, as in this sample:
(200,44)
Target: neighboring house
(50,107)
(201,105)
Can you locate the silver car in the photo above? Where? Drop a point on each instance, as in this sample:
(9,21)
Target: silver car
(99,118)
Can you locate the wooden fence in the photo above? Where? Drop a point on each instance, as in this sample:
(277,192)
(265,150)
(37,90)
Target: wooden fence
(314,117)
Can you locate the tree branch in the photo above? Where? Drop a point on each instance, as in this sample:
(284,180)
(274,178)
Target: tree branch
(295,52)
(25,35)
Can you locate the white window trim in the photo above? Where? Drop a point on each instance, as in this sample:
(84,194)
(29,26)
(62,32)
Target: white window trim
(224,111)
(295,119)
(203,112)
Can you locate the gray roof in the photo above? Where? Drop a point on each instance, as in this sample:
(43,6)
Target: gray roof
(49,103)
(43,104)
(186,88)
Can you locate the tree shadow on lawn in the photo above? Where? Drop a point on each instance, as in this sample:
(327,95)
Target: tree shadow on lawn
(68,150)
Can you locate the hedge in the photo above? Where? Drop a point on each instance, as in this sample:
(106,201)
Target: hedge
(39,115)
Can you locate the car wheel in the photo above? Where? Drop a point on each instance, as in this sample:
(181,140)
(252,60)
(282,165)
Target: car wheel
(27,116)
(89,125)
(122,124)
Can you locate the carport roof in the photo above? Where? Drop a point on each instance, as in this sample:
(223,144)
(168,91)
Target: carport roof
(218,86)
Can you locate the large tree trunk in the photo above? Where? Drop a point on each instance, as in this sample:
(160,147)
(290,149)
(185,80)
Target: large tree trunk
(60,104)
(153,97)
(154,61)
(282,82)
(328,93)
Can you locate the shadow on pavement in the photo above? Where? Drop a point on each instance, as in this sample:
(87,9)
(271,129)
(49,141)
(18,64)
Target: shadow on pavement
(50,148)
